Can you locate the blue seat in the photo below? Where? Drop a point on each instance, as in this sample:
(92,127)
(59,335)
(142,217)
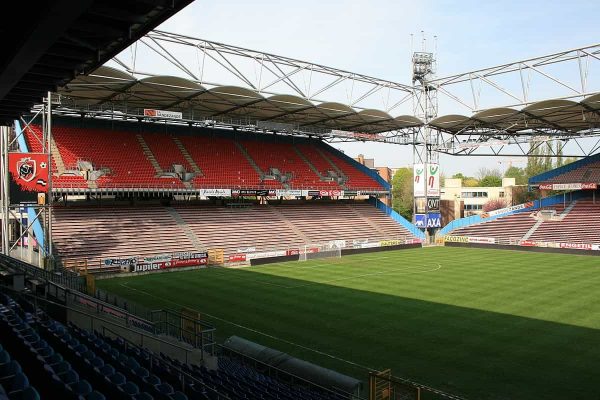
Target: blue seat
(105,370)
(152,380)
(178,396)
(29,393)
(141,372)
(4,357)
(164,389)
(95,362)
(51,359)
(9,370)
(116,379)
(94,395)
(143,396)
(80,388)
(69,377)
(58,369)
(129,389)
(18,383)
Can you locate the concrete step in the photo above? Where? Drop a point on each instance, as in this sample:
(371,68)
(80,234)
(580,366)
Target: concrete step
(198,245)
(149,155)
(250,160)
(188,157)
(307,161)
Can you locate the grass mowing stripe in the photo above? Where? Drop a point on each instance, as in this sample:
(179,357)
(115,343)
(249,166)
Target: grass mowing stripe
(490,324)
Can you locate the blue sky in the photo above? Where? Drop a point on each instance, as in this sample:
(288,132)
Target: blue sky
(373,37)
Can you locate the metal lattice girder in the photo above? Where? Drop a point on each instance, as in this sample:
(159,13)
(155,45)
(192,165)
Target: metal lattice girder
(217,82)
(563,75)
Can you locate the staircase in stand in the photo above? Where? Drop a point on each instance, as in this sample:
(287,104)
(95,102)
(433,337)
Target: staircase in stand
(58,161)
(335,167)
(250,160)
(307,161)
(186,229)
(149,155)
(188,158)
(287,222)
(366,220)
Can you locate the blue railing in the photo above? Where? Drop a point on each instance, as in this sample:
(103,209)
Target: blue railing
(545,202)
(31,214)
(397,217)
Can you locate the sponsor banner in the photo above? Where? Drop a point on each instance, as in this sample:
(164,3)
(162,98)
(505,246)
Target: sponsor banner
(392,242)
(479,144)
(215,192)
(313,193)
(528,243)
(292,252)
(119,262)
(174,260)
(420,220)
(366,192)
(331,193)
(340,244)
(419,180)
(486,240)
(424,204)
(596,247)
(568,186)
(28,176)
(456,239)
(162,114)
(254,192)
(421,204)
(433,180)
(369,245)
(247,250)
(311,250)
(160,261)
(357,243)
(188,259)
(434,220)
(350,193)
(578,246)
(265,254)
(412,241)
(433,203)
(288,193)
(507,209)
(237,257)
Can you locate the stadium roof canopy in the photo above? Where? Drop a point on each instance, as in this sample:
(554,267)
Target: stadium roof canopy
(556,115)
(55,41)
(110,86)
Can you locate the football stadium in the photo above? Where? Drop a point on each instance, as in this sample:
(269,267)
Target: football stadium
(181,220)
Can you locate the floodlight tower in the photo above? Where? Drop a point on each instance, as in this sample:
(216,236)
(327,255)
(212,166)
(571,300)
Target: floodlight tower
(425,105)
(425,158)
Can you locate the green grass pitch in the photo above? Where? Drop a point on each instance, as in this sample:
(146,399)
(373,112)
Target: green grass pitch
(483,324)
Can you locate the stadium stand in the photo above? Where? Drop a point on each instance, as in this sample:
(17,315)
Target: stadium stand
(92,234)
(95,233)
(578,226)
(55,360)
(585,173)
(123,158)
(513,226)
(576,223)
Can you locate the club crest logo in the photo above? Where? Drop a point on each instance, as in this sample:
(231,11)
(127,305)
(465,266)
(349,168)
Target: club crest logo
(27,169)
